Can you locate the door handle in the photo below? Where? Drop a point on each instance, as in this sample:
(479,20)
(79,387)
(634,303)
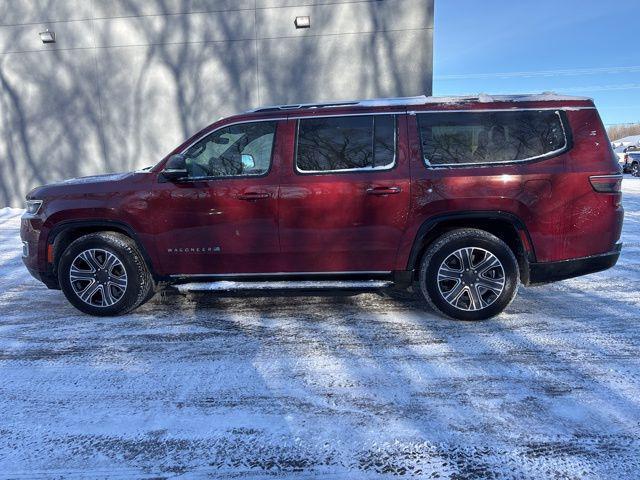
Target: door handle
(253,196)
(383,190)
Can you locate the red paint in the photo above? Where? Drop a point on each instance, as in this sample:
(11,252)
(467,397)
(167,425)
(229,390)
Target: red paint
(288,222)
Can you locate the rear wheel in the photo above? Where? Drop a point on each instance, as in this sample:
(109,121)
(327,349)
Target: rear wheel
(635,169)
(104,274)
(469,274)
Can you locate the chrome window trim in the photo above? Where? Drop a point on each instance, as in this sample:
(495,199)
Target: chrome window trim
(403,112)
(346,170)
(441,166)
(390,166)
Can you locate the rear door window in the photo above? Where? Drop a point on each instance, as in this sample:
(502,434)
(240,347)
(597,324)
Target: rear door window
(467,138)
(341,144)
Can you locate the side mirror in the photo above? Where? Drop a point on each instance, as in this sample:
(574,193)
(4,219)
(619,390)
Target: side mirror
(248,163)
(176,168)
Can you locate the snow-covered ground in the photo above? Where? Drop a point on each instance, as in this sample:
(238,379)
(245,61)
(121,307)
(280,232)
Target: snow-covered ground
(357,387)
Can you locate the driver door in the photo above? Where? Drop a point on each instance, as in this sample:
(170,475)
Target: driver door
(223,218)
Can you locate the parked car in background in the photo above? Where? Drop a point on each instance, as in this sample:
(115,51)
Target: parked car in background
(632,162)
(461,198)
(626,162)
(621,150)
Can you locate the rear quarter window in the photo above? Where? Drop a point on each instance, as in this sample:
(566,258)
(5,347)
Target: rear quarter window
(477,138)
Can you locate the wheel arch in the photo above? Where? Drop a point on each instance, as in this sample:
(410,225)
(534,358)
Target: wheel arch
(61,236)
(504,225)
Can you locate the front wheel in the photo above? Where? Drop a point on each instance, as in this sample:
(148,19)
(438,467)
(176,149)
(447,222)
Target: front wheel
(104,274)
(469,274)
(635,169)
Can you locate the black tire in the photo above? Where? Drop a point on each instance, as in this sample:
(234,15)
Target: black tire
(488,302)
(635,169)
(152,293)
(139,283)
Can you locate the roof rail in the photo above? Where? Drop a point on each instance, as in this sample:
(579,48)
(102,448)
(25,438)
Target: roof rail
(423,100)
(378,102)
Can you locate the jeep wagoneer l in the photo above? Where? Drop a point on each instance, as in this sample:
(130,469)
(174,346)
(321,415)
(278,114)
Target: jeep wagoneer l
(461,198)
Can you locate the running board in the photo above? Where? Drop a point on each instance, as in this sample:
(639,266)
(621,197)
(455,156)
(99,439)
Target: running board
(230,286)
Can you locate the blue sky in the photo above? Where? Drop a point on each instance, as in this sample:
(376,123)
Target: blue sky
(589,48)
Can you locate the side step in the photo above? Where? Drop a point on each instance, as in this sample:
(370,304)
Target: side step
(230,286)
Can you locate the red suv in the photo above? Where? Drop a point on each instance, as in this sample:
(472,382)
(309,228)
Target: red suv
(463,198)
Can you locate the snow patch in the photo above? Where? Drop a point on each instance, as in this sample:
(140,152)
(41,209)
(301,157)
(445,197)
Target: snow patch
(10,213)
(626,141)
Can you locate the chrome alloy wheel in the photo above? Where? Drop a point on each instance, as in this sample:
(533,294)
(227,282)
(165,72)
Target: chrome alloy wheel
(471,278)
(98,277)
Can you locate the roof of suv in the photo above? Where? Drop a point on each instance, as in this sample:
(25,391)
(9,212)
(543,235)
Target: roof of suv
(425,101)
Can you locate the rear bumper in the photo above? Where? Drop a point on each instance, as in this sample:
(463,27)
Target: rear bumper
(554,271)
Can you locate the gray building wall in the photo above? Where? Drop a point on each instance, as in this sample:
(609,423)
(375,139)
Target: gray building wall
(126,81)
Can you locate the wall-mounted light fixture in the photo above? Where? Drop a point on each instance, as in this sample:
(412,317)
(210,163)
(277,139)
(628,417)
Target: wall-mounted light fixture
(302,22)
(47,36)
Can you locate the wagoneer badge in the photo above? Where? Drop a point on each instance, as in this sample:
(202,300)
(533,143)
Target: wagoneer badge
(194,250)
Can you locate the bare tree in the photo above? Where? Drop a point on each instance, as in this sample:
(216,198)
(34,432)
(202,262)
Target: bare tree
(617,132)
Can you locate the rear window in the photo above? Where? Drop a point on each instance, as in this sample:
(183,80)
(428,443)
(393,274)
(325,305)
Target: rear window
(490,137)
(334,144)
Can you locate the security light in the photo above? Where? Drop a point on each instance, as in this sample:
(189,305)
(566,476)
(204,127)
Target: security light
(302,22)
(47,36)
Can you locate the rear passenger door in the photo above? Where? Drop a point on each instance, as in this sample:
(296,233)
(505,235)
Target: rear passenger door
(344,198)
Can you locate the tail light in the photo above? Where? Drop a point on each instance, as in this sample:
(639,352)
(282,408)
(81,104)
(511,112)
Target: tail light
(606,183)
(626,159)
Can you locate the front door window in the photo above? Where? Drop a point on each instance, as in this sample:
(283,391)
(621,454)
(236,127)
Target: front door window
(238,150)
